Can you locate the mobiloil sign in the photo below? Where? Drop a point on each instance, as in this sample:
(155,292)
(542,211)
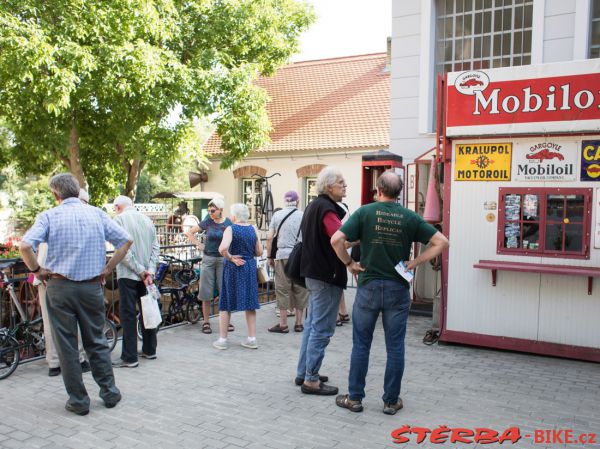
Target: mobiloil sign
(590,160)
(545,161)
(483,162)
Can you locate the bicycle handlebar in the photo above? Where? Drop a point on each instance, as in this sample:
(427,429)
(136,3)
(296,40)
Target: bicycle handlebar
(266,177)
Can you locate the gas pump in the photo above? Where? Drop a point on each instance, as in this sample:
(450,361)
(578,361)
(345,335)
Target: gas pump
(373,165)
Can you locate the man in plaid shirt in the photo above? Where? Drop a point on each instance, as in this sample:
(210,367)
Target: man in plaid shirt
(74,271)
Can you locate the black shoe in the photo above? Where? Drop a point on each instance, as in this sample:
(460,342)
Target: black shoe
(85,367)
(71,409)
(113,402)
(321,390)
(299,381)
(54,371)
(147,356)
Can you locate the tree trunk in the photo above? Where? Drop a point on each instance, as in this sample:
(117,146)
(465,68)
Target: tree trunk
(74,163)
(134,169)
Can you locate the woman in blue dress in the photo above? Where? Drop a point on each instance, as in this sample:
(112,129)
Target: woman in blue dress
(240,244)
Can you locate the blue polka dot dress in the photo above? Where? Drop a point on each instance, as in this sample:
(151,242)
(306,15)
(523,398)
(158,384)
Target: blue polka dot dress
(240,285)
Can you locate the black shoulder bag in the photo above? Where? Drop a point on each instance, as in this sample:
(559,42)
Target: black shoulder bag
(273,252)
(292,268)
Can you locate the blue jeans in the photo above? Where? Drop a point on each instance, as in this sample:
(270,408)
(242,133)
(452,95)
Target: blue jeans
(392,299)
(324,301)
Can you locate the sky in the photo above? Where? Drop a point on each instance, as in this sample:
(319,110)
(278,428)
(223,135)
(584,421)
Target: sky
(347,27)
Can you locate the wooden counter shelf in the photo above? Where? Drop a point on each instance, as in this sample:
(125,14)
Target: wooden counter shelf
(527,267)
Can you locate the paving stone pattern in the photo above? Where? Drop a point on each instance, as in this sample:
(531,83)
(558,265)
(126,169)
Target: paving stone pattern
(194,396)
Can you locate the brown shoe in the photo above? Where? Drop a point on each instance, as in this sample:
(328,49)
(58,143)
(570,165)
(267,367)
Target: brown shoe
(344,401)
(391,409)
(279,329)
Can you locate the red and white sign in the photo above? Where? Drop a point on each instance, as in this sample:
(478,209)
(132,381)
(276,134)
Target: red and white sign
(546,160)
(547,98)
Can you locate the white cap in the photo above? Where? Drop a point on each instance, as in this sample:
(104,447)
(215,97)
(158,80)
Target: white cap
(84,196)
(217,202)
(123,200)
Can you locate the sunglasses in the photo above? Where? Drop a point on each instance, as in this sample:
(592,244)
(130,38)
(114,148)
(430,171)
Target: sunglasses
(212,211)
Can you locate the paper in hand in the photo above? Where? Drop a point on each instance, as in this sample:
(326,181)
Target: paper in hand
(402,271)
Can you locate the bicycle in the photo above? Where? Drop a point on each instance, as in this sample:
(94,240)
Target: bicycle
(184,304)
(263,207)
(24,339)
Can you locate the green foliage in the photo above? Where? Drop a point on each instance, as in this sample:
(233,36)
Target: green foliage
(107,75)
(27,196)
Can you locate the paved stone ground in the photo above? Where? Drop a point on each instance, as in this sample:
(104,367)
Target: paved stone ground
(194,396)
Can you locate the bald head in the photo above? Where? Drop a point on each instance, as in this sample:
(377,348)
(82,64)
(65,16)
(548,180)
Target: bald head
(390,184)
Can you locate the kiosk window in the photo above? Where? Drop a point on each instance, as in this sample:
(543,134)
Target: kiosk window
(544,222)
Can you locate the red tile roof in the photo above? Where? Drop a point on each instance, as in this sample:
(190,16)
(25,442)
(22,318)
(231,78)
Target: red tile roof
(329,104)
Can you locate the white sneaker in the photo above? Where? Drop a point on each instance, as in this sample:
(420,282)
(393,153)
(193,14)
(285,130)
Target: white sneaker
(220,344)
(250,344)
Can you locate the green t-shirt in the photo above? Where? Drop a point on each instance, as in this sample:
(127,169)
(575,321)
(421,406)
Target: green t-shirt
(386,232)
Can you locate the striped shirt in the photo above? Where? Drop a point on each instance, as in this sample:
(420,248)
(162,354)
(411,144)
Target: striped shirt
(76,234)
(143,253)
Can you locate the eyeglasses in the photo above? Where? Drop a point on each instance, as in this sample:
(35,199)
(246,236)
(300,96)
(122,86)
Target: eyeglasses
(212,211)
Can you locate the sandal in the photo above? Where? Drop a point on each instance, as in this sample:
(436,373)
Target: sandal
(279,329)
(344,401)
(298,328)
(344,318)
(338,323)
(206,328)
(230,328)
(431,337)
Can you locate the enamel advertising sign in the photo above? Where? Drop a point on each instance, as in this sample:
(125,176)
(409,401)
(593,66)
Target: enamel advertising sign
(590,160)
(545,160)
(482,161)
(536,99)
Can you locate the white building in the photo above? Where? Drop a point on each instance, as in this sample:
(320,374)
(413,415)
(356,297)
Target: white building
(546,269)
(430,37)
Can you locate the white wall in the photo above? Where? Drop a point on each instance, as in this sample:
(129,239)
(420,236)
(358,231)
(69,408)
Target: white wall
(222,181)
(540,307)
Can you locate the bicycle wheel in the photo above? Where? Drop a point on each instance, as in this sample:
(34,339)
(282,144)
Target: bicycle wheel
(9,355)
(258,211)
(194,311)
(138,327)
(176,312)
(268,209)
(28,297)
(110,332)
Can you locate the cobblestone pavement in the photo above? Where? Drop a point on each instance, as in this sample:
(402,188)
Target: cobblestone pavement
(195,396)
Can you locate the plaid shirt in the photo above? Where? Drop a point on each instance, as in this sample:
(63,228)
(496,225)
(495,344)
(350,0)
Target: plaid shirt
(76,234)
(143,254)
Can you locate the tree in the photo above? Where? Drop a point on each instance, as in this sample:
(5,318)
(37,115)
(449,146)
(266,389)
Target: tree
(91,85)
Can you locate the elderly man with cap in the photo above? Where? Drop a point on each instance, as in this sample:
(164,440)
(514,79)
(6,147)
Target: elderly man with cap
(283,230)
(134,274)
(74,270)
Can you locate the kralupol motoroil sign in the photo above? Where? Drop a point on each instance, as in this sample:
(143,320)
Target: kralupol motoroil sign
(536,99)
(545,161)
(482,161)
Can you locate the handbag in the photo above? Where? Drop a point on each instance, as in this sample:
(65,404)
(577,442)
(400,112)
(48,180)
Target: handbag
(273,252)
(150,311)
(262,274)
(292,267)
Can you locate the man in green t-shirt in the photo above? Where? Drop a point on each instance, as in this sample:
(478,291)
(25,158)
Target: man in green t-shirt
(386,232)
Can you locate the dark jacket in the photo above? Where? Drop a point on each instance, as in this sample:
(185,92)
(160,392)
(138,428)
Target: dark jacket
(319,260)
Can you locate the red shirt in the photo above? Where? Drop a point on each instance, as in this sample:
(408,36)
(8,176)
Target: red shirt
(331,223)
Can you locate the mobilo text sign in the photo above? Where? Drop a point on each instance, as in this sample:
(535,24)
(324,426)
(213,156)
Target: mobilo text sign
(536,99)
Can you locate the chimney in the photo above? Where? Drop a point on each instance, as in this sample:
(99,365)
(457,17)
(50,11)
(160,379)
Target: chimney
(388,60)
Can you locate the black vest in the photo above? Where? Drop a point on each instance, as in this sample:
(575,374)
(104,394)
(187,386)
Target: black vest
(319,260)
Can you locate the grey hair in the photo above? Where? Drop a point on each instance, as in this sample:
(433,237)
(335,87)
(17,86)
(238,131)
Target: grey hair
(65,185)
(390,184)
(240,211)
(327,177)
